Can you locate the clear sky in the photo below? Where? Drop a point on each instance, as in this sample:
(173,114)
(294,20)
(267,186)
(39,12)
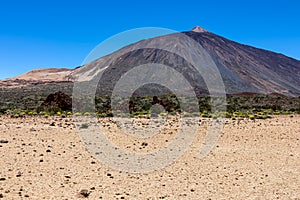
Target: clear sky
(61,33)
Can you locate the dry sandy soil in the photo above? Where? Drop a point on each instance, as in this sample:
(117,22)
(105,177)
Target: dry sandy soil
(252,160)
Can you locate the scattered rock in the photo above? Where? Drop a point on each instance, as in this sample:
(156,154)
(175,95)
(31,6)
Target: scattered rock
(109,175)
(83,193)
(144,144)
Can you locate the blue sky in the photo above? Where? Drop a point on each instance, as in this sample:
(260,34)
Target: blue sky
(40,34)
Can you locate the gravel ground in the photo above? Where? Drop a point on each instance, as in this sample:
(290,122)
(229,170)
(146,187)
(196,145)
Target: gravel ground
(45,159)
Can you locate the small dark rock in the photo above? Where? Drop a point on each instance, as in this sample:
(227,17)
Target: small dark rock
(84,193)
(3,141)
(1,196)
(48,151)
(2,179)
(144,144)
(52,124)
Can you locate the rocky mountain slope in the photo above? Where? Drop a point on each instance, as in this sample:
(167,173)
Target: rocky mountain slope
(244,69)
(39,76)
(257,70)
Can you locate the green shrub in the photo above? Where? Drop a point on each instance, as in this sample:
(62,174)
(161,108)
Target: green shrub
(102,115)
(87,113)
(40,109)
(54,109)
(163,114)
(265,117)
(84,126)
(42,113)
(252,117)
(77,114)
(214,116)
(186,114)
(204,115)
(173,112)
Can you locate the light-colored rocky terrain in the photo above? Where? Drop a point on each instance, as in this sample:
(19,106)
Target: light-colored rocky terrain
(45,159)
(39,76)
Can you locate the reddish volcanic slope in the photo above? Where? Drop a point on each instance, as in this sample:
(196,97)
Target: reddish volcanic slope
(39,76)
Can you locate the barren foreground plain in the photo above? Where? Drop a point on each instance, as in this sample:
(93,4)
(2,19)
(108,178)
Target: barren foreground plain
(253,159)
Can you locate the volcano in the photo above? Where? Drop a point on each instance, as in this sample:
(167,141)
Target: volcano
(244,69)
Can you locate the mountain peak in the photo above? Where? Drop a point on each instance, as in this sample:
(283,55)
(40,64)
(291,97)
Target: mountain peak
(199,29)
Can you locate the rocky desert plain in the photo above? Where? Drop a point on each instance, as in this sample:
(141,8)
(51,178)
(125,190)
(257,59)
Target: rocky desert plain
(44,158)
